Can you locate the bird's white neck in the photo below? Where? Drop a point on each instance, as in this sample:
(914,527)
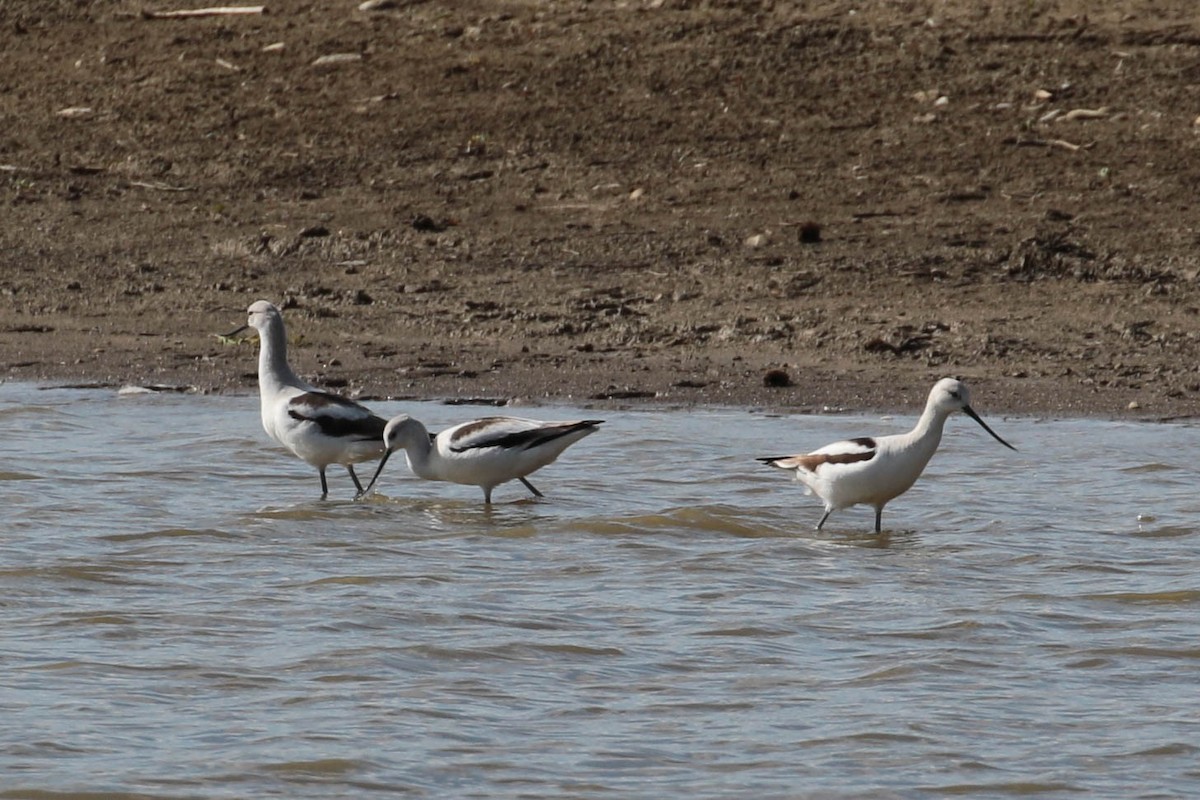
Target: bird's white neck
(417,449)
(927,434)
(274,372)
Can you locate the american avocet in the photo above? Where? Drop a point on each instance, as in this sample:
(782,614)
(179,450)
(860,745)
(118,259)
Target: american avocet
(319,427)
(875,470)
(485,452)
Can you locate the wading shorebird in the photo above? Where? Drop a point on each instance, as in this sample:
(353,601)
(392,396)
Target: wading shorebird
(876,470)
(485,452)
(319,427)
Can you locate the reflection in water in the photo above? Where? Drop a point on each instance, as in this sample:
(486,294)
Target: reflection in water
(181,617)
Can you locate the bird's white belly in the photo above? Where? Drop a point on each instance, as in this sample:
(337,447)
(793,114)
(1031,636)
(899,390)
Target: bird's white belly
(308,443)
(484,467)
(875,482)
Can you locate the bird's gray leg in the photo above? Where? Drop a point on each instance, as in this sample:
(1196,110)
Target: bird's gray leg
(822,522)
(353,477)
(487,495)
(879,519)
(324,485)
(531,487)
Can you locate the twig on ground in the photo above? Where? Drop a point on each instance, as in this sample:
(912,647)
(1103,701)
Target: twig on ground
(1062,143)
(160,187)
(215,11)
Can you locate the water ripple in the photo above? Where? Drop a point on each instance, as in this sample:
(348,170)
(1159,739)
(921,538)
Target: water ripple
(190,621)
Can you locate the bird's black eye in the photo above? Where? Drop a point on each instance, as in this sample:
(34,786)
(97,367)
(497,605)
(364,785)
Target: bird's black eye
(955,395)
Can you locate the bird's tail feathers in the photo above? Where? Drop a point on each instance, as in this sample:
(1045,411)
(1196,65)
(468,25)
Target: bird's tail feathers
(780,462)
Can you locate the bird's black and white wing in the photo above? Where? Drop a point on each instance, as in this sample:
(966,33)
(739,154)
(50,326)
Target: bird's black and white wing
(849,451)
(337,416)
(511,433)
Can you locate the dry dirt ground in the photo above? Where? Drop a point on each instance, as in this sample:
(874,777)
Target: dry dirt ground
(612,201)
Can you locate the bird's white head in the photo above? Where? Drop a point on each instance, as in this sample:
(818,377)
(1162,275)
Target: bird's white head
(949,395)
(399,431)
(261,314)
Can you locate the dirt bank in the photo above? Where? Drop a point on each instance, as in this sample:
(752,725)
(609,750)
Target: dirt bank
(612,201)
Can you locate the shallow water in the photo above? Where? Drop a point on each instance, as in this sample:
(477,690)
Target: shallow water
(180,617)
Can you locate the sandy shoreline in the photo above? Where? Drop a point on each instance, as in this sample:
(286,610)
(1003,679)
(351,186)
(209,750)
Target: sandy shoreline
(614,203)
(519,387)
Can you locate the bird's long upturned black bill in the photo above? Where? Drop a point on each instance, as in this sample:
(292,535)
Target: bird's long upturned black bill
(970,412)
(375,477)
(235,332)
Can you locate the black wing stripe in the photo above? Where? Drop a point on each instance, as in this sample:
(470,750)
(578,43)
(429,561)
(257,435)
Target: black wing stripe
(524,440)
(339,427)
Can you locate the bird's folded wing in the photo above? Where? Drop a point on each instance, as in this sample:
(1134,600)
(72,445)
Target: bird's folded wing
(511,433)
(336,415)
